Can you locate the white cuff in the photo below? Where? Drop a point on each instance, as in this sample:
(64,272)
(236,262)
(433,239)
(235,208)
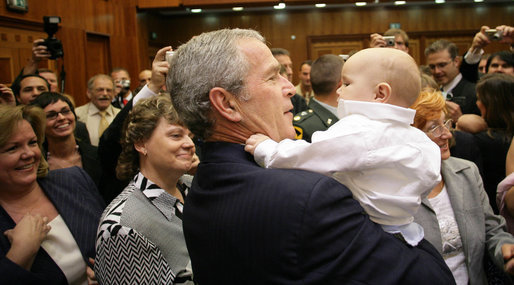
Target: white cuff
(473,56)
(264,151)
(144,93)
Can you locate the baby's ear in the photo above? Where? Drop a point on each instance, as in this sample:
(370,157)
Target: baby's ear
(383,92)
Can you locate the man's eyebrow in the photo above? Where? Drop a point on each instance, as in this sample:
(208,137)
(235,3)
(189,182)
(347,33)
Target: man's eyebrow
(274,69)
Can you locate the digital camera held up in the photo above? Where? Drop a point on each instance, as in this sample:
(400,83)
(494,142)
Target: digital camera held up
(53,45)
(494,35)
(389,40)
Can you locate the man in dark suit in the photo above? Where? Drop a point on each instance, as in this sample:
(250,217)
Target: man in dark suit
(247,225)
(443,61)
(322,113)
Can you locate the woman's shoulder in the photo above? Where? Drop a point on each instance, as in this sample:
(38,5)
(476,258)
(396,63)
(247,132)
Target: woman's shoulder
(456,164)
(66,175)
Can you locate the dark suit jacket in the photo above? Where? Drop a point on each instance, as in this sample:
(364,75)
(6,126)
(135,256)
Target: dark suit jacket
(464,94)
(89,158)
(469,71)
(81,132)
(75,197)
(248,225)
(494,148)
(299,104)
(109,149)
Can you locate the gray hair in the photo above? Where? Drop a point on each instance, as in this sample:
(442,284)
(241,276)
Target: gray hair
(91,81)
(441,45)
(207,61)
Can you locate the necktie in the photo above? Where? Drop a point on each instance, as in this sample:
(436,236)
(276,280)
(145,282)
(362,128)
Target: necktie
(103,124)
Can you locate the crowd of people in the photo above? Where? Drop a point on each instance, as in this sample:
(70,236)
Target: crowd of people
(218,170)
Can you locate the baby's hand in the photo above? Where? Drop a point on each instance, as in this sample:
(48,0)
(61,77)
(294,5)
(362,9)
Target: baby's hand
(253,141)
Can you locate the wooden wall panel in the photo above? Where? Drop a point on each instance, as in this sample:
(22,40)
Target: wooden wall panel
(158,3)
(116,19)
(279,27)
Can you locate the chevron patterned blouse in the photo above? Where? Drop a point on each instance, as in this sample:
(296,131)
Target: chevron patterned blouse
(140,238)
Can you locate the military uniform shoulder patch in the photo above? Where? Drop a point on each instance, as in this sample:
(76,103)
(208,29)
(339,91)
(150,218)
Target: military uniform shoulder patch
(299,132)
(302,115)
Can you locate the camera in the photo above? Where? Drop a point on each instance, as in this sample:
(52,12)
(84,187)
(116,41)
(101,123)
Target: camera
(53,45)
(345,57)
(169,55)
(125,84)
(389,40)
(494,34)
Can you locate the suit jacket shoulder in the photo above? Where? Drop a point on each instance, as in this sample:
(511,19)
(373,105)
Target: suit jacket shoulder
(76,198)
(81,112)
(288,226)
(464,94)
(317,118)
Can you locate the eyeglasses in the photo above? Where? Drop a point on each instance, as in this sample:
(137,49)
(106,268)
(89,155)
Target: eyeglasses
(437,131)
(52,115)
(440,65)
(98,90)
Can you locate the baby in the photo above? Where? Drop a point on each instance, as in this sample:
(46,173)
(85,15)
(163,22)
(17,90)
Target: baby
(386,163)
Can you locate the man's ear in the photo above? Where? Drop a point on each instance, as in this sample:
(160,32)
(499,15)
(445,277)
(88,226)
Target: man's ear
(225,103)
(458,61)
(88,94)
(382,92)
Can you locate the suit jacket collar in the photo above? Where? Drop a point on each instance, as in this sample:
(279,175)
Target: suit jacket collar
(449,169)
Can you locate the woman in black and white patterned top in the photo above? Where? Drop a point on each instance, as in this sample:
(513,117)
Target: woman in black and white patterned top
(140,238)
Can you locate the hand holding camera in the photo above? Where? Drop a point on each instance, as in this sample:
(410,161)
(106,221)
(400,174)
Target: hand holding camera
(378,40)
(160,67)
(52,44)
(502,34)
(39,51)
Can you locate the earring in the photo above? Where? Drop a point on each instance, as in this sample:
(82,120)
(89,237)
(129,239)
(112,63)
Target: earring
(144,152)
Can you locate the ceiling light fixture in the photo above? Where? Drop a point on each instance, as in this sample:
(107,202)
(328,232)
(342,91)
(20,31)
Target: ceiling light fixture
(439,1)
(237,8)
(320,5)
(196,10)
(280,6)
(360,3)
(400,2)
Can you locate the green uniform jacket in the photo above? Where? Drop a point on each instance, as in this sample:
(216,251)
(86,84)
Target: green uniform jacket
(316,118)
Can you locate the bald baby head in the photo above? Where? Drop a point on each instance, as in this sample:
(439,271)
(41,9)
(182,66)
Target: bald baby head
(382,75)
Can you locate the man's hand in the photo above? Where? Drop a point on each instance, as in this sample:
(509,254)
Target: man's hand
(480,40)
(160,68)
(453,110)
(508,253)
(39,52)
(377,40)
(6,95)
(508,34)
(253,141)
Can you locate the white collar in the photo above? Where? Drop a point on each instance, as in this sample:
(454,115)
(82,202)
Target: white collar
(93,110)
(375,111)
(449,87)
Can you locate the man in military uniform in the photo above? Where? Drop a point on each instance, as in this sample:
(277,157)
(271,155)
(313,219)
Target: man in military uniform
(322,112)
